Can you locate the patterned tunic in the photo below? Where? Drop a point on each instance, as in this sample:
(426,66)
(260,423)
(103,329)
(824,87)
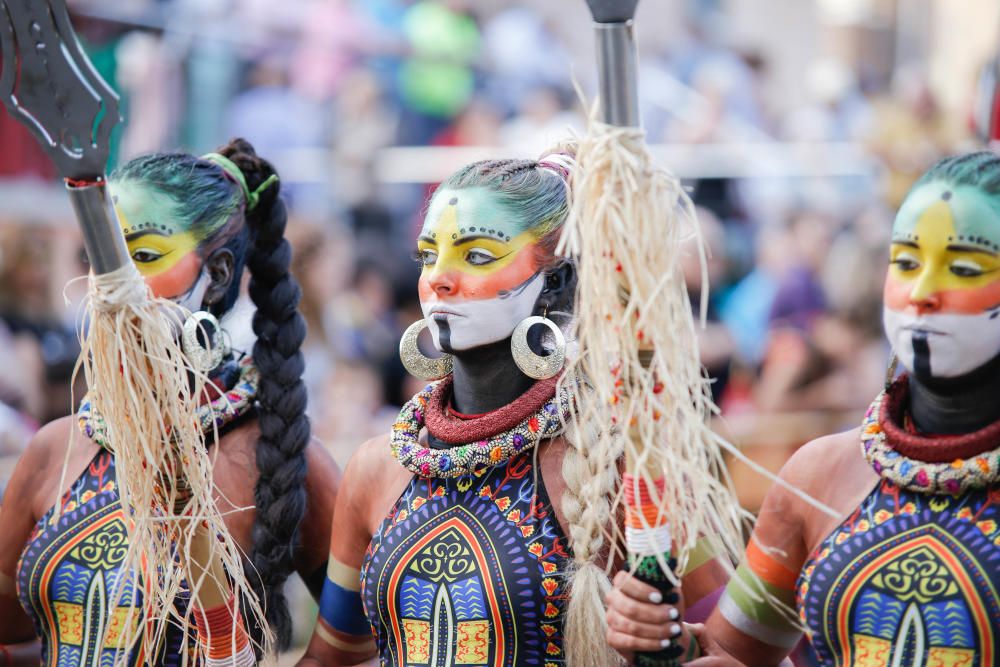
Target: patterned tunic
(469,571)
(908,579)
(70,575)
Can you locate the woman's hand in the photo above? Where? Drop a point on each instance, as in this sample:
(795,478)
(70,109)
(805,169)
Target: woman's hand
(638,619)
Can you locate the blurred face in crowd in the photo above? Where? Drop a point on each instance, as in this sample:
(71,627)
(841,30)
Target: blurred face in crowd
(942,292)
(480,274)
(163,249)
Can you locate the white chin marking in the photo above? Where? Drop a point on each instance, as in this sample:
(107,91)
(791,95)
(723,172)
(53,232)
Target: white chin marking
(474,323)
(963,344)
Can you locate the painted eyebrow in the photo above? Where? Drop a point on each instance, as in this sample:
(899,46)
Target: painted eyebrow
(135,236)
(908,244)
(476,237)
(958,247)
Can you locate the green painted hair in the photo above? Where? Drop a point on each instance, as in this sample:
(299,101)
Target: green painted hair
(535,196)
(977,177)
(980,170)
(206,202)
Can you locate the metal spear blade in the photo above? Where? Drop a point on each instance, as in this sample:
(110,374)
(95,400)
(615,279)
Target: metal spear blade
(49,85)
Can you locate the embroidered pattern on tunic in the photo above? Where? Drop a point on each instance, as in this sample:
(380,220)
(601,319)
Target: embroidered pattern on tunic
(469,571)
(907,579)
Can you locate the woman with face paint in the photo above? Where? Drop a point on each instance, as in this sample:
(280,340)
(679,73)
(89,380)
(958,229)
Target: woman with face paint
(191,225)
(460,537)
(904,568)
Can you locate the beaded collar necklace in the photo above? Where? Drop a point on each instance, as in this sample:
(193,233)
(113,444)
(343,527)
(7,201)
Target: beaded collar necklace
(950,464)
(478,443)
(216,413)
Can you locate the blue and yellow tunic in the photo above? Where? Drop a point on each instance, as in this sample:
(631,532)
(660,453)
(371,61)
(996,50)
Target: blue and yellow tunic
(469,570)
(912,576)
(908,579)
(70,579)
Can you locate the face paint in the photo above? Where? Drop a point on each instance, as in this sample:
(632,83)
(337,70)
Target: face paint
(942,292)
(480,274)
(165,253)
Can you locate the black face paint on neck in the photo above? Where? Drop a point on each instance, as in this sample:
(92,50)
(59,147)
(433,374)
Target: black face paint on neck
(486,378)
(921,356)
(956,405)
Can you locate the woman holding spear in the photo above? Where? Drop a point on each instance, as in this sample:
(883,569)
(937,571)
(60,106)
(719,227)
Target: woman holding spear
(477,531)
(124,528)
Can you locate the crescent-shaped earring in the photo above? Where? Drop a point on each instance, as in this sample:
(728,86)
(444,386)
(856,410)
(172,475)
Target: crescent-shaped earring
(203,356)
(535,365)
(416,362)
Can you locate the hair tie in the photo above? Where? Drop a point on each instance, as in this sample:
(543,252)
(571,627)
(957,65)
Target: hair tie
(234,172)
(560,163)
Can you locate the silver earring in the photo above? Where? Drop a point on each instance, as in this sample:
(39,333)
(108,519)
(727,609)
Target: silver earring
(416,362)
(203,358)
(531,364)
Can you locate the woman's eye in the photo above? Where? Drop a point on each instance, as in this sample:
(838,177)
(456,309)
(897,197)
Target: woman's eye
(145,256)
(478,257)
(906,263)
(425,257)
(966,269)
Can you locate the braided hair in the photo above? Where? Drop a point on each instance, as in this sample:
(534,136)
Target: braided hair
(280,494)
(209,202)
(536,195)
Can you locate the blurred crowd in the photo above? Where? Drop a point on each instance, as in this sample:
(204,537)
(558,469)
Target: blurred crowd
(792,336)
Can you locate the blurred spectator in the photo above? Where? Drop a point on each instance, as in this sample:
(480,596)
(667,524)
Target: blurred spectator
(524,55)
(436,80)
(909,133)
(543,119)
(715,343)
(334,36)
(261,114)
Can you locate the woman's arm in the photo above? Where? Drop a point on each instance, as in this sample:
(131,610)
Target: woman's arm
(17,520)
(342,635)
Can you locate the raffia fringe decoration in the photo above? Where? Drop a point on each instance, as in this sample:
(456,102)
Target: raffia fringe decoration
(628,222)
(140,381)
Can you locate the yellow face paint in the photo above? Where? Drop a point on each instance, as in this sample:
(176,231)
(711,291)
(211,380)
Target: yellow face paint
(444,248)
(480,272)
(165,253)
(934,261)
(942,291)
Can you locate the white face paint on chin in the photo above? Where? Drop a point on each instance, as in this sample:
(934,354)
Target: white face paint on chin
(194,298)
(942,345)
(463,324)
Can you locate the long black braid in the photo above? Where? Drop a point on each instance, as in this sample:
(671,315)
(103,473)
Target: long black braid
(280,494)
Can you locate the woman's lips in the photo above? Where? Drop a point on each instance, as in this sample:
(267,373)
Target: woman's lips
(444,312)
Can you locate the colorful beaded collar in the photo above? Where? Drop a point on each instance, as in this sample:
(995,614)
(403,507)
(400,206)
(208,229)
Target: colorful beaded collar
(938,465)
(216,413)
(477,443)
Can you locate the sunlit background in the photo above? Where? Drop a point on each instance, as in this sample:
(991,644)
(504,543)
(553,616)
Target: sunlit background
(799,125)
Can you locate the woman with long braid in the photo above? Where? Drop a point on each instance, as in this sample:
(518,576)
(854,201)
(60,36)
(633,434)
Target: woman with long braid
(460,537)
(191,225)
(905,569)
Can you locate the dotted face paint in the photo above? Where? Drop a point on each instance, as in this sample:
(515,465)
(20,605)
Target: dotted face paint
(942,291)
(480,274)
